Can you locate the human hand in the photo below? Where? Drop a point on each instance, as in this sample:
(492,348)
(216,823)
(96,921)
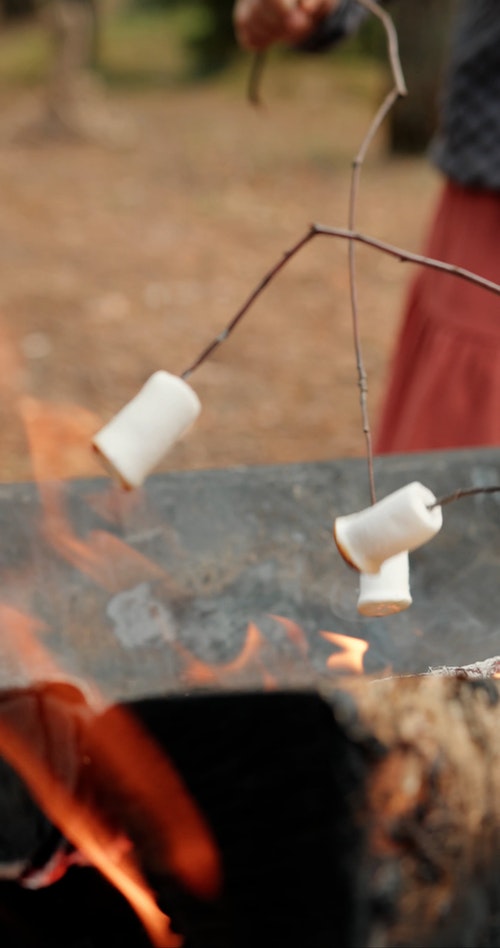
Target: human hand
(259,23)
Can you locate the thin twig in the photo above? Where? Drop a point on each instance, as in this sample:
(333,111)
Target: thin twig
(255,78)
(360,366)
(257,66)
(464,492)
(398,90)
(341,233)
(406,256)
(258,61)
(222,336)
(392,43)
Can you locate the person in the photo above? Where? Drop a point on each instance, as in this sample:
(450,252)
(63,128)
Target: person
(444,382)
(259,23)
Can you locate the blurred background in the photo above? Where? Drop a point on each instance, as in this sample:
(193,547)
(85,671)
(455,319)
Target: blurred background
(143,198)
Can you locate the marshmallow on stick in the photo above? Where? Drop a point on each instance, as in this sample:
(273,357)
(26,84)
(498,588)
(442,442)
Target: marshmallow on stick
(400,522)
(388,591)
(134,442)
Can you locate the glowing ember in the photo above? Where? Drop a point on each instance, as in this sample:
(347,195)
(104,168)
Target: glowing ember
(350,658)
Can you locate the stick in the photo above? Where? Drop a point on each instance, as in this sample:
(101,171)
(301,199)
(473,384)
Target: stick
(340,233)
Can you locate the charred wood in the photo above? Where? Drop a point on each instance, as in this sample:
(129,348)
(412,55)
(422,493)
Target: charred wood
(363,815)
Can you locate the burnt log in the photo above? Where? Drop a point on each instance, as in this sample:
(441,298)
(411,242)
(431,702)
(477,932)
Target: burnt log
(363,814)
(368,815)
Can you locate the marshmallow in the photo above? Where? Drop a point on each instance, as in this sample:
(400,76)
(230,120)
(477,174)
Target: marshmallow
(388,591)
(134,442)
(401,521)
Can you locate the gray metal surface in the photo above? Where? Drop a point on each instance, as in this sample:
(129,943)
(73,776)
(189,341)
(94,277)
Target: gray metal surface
(124,590)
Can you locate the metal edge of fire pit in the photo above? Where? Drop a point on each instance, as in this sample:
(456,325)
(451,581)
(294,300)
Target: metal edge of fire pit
(137,584)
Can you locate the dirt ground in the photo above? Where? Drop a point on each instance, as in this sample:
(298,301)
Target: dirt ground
(117,261)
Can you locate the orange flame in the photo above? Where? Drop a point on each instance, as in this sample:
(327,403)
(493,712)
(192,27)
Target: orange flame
(202,673)
(137,764)
(183,839)
(87,833)
(188,846)
(110,562)
(49,431)
(294,632)
(18,636)
(59,439)
(351,657)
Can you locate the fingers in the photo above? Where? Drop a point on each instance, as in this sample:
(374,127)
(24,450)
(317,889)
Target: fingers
(259,23)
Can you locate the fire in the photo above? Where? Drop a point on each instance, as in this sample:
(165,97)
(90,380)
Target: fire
(19,638)
(88,834)
(350,658)
(201,673)
(294,632)
(180,834)
(106,559)
(11,367)
(101,555)
(130,759)
(183,840)
(58,439)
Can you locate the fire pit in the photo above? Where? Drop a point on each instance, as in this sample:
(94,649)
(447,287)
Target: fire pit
(111,581)
(215,607)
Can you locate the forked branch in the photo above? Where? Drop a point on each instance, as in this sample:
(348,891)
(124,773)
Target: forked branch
(352,236)
(340,233)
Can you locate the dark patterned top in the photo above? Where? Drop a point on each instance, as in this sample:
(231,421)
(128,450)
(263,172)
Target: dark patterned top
(467,145)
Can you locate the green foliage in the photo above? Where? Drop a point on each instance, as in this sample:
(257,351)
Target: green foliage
(18,9)
(215,46)
(144,47)
(211,45)
(209,38)
(371,40)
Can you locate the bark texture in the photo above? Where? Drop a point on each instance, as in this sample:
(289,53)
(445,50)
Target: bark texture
(431,807)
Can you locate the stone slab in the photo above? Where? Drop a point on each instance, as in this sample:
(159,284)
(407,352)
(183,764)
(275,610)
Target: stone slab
(129,590)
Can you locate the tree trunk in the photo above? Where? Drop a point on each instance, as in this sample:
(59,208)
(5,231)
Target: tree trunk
(75,105)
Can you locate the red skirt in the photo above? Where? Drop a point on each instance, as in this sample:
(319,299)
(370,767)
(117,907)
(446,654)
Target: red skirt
(444,387)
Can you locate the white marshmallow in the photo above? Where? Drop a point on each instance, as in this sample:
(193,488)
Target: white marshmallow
(388,591)
(401,521)
(134,442)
